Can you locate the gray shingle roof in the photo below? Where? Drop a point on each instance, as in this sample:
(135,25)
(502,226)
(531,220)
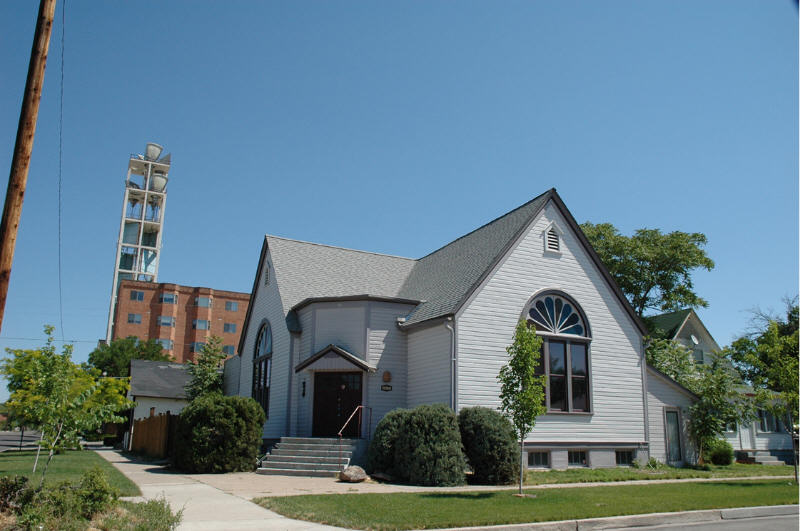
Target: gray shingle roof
(304,270)
(445,277)
(160,379)
(441,280)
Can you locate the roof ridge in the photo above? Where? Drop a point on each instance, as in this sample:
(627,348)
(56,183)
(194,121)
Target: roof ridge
(339,247)
(489,223)
(669,313)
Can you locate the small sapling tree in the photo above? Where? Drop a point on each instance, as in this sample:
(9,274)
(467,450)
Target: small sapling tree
(205,374)
(521,390)
(60,398)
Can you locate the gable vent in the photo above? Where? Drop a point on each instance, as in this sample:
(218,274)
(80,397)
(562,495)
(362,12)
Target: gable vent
(552,240)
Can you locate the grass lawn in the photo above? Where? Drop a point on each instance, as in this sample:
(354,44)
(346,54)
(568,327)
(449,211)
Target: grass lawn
(455,509)
(67,466)
(588,475)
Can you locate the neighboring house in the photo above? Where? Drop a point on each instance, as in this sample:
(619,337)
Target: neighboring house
(330,329)
(157,387)
(766,434)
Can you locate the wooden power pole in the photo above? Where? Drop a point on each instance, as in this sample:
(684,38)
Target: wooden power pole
(24,146)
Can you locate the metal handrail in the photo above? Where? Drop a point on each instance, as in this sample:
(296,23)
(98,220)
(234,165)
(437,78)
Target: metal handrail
(358,410)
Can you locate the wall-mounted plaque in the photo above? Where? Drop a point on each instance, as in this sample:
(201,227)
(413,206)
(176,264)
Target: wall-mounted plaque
(386,388)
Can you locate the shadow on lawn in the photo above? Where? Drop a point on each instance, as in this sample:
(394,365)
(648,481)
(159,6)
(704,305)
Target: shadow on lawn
(462,495)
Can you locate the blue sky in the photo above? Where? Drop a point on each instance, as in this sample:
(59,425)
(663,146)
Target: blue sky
(398,126)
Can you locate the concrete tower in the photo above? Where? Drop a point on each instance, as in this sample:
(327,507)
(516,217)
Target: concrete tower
(139,243)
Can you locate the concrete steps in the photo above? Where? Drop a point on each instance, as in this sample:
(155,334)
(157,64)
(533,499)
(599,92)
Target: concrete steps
(305,456)
(765,458)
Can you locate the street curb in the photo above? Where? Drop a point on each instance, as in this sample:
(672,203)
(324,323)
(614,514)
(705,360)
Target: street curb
(640,520)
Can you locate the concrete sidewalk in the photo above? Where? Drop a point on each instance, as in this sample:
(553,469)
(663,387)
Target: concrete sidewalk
(204,507)
(221,501)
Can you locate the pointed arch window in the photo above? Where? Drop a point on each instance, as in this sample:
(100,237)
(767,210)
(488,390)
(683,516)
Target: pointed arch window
(262,366)
(565,352)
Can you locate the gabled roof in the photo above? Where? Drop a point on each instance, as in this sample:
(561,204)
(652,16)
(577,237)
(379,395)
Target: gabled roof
(668,323)
(339,351)
(442,281)
(158,379)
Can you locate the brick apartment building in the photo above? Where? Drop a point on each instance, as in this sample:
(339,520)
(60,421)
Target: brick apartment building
(179,317)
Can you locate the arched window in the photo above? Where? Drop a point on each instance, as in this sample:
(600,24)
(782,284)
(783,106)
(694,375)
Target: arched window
(262,366)
(565,351)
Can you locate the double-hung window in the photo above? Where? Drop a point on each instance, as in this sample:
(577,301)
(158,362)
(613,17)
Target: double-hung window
(200,324)
(229,328)
(565,352)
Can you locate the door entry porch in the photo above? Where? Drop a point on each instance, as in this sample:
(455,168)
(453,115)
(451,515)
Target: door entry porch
(336,396)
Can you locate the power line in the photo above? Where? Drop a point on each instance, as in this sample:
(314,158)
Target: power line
(60,164)
(44,339)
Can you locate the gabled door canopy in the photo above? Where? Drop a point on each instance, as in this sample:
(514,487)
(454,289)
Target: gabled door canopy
(342,353)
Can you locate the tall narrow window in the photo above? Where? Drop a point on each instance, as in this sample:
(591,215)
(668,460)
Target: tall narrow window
(262,367)
(565,352)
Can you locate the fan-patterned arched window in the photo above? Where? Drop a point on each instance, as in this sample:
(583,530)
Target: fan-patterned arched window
(262,366)
(554,314)
(565,351)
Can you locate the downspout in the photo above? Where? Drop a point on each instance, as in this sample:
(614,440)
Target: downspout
(644,397)
(450,325)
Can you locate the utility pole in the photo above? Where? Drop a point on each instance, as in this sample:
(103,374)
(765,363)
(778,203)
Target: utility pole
(12,210)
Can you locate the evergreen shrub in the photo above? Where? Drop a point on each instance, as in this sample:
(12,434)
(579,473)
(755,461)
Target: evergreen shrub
(490,445)
(720,452)
(428,448)
(218,434)
(380,454)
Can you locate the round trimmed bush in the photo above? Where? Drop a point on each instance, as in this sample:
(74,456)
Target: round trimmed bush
(428,448)
(490,445)
(218,434)
(380,455)
(720,452)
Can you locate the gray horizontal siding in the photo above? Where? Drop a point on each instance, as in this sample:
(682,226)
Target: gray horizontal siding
(387,352)
(429,366)
(486,324)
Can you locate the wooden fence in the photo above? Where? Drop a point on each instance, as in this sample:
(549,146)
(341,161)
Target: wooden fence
(153,436)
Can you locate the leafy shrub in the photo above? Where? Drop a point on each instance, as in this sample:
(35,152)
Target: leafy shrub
(720,452)
(218,434)
(655,464)
(152,515)
(428,448)
(380,454)
(95,494)
(14,492)
(490,445)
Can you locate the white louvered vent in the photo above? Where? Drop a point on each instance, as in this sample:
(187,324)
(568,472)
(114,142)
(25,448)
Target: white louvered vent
(552,240)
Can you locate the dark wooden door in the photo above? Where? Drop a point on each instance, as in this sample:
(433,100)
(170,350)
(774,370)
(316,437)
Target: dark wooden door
(336,396)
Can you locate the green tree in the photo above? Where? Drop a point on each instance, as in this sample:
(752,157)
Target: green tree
(719,403)
(206,373)
(767,359)
(521,390)
(58,397)
(652,269)
(114,359)
(716,384)
(674,360)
